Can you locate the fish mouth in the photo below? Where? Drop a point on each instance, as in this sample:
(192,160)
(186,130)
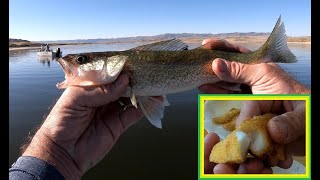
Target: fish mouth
(65,67)
(68,74)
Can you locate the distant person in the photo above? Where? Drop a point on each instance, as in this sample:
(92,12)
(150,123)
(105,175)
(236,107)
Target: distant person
(86,122)
(58,52)
(47,47)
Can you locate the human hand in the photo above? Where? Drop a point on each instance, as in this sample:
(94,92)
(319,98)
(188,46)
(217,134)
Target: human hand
(221,45)
(287,129)
(262,78)
(253,166)
(82,127)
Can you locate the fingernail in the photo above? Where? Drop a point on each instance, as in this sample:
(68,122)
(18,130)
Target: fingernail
(204,42)
(222,66)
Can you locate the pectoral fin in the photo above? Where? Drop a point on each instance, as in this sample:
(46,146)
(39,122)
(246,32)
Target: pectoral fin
(153,109)
(165,101)
(133,100)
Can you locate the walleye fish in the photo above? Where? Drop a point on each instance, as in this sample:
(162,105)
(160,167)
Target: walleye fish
(163,68)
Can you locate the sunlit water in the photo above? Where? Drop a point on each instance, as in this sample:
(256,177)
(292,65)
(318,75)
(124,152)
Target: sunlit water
(143,151)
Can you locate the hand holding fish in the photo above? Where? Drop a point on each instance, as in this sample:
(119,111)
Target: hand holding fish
(221,45)
(82,127)
(263,78)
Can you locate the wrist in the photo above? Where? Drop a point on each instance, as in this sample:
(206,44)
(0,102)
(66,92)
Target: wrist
(301,89)
(42,147)
(297,87)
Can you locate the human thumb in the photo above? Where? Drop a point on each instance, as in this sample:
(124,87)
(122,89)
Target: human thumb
(232,71)
(288,127)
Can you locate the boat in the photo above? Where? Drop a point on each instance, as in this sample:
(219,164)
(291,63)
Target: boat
(47,52)
(44,58)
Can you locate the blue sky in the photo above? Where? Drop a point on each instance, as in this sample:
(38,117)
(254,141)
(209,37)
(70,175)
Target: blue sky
(83,19)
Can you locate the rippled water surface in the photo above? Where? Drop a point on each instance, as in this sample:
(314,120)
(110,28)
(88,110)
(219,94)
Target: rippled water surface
(143,151)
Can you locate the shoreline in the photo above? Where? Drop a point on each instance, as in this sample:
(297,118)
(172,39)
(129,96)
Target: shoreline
(38,47)
(78,44)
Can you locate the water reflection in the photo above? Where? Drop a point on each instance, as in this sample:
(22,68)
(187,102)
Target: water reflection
(44,60)
(19,53)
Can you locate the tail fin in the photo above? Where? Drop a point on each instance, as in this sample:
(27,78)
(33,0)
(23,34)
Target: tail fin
(275,48)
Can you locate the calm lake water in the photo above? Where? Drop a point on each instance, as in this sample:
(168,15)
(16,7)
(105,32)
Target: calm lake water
(143,151)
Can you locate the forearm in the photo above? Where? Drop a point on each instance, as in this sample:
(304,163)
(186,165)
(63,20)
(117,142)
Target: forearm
(42,147)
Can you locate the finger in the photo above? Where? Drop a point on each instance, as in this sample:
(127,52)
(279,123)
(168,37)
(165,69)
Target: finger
(255,108)
(249,74)
(288,127)
(272,161)
(287,163)
(233,71)
(130,116)
(117,120)
(248,110)
(223,45)
(98,96)
(267,170)
(209,141)
(224,169)
(251,166)
(298,147)
(212,89)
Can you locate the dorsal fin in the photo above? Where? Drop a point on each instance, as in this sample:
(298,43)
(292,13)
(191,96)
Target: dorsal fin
(168,45)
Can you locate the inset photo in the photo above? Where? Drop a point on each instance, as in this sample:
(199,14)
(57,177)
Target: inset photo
(254,136)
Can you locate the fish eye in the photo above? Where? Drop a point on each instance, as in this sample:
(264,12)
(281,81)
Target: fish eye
(81,59)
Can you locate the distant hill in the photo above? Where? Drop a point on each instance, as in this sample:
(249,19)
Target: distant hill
(12,40)
(157,37)
(13,43)
(18,42)
(258,37)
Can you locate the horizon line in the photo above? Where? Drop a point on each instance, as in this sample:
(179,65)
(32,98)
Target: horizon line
(151,36)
